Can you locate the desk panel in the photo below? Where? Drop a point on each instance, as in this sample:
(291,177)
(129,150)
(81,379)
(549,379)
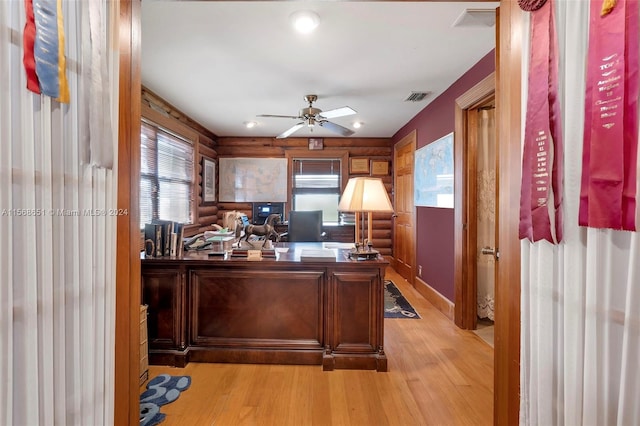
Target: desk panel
(279,310)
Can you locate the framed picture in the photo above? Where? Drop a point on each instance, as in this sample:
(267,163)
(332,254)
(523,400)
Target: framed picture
(316,143)
(359,166)
(208,181)
(379,167)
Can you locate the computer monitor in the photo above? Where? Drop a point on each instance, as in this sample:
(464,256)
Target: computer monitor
(262,210)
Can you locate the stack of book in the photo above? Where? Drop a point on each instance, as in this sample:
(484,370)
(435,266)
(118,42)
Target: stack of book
(163,238)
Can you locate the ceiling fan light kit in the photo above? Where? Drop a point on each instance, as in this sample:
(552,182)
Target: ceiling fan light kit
(310,116)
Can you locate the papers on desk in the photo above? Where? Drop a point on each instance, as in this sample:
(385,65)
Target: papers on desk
(315,255)
(282,249)
(338,245)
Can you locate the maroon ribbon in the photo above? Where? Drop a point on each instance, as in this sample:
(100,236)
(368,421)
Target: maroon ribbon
(610,145)
(543,151)
(28,40)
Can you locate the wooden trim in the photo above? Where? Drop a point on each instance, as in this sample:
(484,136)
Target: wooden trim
(150,99)
(508,123)
(507,348)
(478,93)
(171,124)
(465,230)
(127,325)
(440,302)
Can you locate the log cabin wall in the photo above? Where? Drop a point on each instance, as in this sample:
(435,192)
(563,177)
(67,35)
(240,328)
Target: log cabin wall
(204,216)
(369,148)
(209,145)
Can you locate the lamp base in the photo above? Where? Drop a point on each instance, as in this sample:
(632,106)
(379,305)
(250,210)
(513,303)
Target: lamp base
(367,254)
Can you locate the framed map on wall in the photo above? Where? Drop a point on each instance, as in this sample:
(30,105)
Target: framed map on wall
(433,174)
(252,179)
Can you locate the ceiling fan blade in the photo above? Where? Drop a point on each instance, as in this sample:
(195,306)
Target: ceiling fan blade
(336,128)
(290,131)
(277,116)
(338,112)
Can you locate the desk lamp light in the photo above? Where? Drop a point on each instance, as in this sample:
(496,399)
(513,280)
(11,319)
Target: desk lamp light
(364,195)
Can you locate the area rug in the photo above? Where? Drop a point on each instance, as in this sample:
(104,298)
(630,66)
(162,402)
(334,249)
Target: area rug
(395,304)
(161,390)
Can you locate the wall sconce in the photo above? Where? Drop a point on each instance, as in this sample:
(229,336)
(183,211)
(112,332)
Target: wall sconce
(365,195)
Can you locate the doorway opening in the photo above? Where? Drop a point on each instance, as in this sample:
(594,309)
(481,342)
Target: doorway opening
(476,199)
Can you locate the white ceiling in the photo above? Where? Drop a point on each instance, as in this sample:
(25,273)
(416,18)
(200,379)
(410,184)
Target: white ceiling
(223,63)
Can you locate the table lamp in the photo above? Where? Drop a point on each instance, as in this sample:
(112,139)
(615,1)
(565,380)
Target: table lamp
(364,194)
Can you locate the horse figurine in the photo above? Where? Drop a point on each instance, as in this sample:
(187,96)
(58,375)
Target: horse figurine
(267,230)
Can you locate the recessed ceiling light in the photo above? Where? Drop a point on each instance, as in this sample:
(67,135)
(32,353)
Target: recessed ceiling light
(305,21)
(357,125)
(250,124)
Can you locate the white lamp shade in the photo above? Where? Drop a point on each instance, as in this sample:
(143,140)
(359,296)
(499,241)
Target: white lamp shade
(365,194)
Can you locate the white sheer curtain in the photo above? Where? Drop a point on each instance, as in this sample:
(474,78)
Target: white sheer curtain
(580,299)
(57,239)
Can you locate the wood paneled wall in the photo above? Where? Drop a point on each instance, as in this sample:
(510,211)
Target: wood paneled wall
(211,146)
(204,216)
(370,148)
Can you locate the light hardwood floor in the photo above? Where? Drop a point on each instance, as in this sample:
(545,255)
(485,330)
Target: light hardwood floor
(438,375)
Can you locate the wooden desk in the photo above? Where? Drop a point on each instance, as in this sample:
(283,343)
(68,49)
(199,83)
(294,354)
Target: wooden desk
(280,311)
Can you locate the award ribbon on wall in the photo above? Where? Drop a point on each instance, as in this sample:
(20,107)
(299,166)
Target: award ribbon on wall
(43,41)
(542,179)
(610,145)
(28,40)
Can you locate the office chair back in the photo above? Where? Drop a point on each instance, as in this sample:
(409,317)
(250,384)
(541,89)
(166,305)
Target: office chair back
(305,226)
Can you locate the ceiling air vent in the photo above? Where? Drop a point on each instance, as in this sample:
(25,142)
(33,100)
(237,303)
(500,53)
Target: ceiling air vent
(476,18)
(417,96)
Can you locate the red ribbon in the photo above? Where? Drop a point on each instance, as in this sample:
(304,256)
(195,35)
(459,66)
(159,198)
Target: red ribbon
(28,40)
(543,151)
(609,160)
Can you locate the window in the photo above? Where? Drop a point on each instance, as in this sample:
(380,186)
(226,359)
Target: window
(166,175)
(316,186)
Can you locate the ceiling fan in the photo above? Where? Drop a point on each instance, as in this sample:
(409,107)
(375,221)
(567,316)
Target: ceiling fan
(311,116)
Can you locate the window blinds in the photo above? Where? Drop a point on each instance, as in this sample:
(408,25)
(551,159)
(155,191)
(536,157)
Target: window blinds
(321,174)
(166,175)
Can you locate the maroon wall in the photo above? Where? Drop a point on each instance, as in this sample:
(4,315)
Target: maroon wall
(435,226)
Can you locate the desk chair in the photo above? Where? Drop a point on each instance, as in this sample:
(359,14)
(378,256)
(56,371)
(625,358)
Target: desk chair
(305,226)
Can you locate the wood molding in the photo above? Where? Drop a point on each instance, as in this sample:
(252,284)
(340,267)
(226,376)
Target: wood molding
(474,96)
(509,139)
(465,229)
(507,349)
(156,103)
(440,302)
(170,123)
(127,326)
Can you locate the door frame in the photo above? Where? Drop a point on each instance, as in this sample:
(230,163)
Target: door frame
(465,212)
(508,121)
